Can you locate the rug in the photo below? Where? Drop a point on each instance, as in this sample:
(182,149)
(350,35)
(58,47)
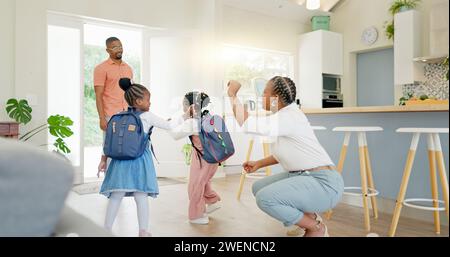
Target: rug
(94,187)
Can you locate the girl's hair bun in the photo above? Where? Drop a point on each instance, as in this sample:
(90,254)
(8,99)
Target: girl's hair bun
(125,84)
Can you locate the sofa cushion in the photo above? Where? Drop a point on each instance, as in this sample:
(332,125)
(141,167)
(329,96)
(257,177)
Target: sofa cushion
(34,184)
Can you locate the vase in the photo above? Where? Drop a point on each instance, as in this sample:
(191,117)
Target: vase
(405,8)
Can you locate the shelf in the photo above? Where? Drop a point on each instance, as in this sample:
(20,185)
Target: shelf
(430,59)
(380,109)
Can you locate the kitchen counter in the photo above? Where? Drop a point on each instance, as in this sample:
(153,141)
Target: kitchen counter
(380,109)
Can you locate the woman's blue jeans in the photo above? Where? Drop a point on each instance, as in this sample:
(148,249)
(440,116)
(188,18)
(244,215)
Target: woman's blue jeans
(288,196)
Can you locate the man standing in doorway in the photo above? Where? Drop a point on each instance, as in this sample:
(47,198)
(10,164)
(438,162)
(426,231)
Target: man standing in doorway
(108,94)
(109,97)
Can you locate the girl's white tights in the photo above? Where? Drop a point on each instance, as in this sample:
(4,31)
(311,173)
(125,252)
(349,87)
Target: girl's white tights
(141,204)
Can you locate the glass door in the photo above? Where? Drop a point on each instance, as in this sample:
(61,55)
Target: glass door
(94,51)
(65,37)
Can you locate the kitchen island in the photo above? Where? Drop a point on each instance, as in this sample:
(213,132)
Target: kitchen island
(388,149)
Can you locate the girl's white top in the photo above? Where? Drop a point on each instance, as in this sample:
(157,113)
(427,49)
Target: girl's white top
(149,119)
(185,128)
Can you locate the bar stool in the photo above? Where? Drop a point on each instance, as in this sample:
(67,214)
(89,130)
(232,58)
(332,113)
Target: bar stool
(367,184)
(434,154)
(266,150)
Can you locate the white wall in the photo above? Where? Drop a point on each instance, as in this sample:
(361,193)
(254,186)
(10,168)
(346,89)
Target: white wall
(7,39)
(356,15)
(261,31)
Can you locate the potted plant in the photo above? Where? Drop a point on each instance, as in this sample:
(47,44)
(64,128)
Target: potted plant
(389,29)
(445,63)
(396,7)
(403,5)
(187,152)
(57,125)
(406,98)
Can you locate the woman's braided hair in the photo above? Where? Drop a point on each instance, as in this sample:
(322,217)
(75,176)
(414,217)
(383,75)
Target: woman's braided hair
(285,88)
(132,91)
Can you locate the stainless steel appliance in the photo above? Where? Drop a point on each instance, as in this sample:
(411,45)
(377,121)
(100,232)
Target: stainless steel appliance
(332,96)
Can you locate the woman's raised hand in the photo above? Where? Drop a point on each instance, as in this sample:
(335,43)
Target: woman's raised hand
(250,166)
(189,113)
(233,88)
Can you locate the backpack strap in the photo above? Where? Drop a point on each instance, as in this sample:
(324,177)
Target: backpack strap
(199,153)
(150,131)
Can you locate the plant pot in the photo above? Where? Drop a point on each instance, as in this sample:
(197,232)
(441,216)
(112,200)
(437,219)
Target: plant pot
(405,9)
(9,129)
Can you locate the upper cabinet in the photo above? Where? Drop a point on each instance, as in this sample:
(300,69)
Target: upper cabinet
(324,49)
(320,52)
(439,24)
(333,56)
(407,47)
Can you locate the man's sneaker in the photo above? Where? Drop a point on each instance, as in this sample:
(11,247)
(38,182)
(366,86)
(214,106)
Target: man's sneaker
(212,207)
(200,221)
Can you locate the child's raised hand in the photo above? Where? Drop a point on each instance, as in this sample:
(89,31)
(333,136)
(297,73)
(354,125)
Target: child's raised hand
(101,168)
(250,166)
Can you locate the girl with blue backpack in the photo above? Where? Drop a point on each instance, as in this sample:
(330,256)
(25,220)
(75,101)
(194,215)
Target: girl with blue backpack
(212,145)
(131,171)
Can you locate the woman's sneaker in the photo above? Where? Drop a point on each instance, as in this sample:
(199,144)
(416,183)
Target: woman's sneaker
(212,207)
(297,231)
(321,231)
(200,221)
(318,218)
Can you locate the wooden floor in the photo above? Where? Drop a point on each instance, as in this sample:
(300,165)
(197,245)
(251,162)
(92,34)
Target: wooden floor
(168,216)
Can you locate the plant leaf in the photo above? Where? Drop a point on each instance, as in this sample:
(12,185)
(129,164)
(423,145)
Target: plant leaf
(61,145)
(20,111)
(59,126)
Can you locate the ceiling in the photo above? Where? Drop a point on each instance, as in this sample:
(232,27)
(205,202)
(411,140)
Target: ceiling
(286,9)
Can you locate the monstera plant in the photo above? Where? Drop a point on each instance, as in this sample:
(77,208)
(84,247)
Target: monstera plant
(396,7)
(445,64)
(57,125)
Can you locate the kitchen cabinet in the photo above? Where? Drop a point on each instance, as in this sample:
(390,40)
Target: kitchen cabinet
(439,20)
(407,46)
(320,52)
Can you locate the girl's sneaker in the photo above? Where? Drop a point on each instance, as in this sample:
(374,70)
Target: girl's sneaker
(200,221)
(144,233)
(212,207)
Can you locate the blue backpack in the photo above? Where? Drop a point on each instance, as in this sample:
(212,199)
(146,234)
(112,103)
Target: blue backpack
(215,138)
(125,137)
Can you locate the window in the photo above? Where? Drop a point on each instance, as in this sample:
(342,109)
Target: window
(246,64)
